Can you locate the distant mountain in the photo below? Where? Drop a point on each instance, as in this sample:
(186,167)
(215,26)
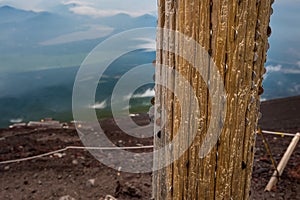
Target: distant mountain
(124,21)
(11,15)
(31,40)
(19,25)
(40,53)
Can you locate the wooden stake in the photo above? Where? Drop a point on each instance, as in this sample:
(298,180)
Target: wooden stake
(234,34)
(283,162)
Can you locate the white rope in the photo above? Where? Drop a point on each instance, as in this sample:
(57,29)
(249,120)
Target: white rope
(111,148)
(74,147)
(279,133)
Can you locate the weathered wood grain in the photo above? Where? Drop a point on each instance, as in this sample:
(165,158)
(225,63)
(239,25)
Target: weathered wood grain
(234,33)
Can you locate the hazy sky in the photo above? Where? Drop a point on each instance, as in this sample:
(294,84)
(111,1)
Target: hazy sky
(285,40)
(285,22)
(106,7)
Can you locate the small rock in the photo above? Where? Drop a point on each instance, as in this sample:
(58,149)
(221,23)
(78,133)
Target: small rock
(131,190)
(91,182)
(40,182)
(59,155)
(120,143)
(6,168)
(75,162)
(82,157)
(59,177)
(262,170)
(67,197)
(273,194)
(109,197)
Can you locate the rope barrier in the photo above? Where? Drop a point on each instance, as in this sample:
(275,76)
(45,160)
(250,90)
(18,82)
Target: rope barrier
(278,133)
(114,148)
(74,147)
(267,146)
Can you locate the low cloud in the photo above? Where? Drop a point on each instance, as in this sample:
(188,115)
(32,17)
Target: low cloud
(97,13)
(291,71)
(276,68)
(93,32)
(77,3)
(100,105)
(263,99)
(295,89)
(285,70)
(147,93)
(148,43)
(18,120)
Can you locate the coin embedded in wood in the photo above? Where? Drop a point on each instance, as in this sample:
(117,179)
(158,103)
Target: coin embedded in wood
(268,46)
(264,70)
(269,31)
(260,90)
(153,101)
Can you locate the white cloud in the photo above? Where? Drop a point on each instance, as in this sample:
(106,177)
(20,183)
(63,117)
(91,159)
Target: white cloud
(78,3)
(279,68)
(291,71)
(97,7)
(149,44)
(127,97)
(100,105)
(147,93)
(96,12)
(18,120)
(295,89)
(271,68)
(263,99)
(93,32)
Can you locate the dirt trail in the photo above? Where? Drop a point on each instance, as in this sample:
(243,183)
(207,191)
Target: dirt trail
(77,174)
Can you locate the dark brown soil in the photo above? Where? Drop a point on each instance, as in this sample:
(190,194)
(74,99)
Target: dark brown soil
(77,174)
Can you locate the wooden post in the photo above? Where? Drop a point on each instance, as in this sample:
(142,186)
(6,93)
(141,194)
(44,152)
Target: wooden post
(235,34)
